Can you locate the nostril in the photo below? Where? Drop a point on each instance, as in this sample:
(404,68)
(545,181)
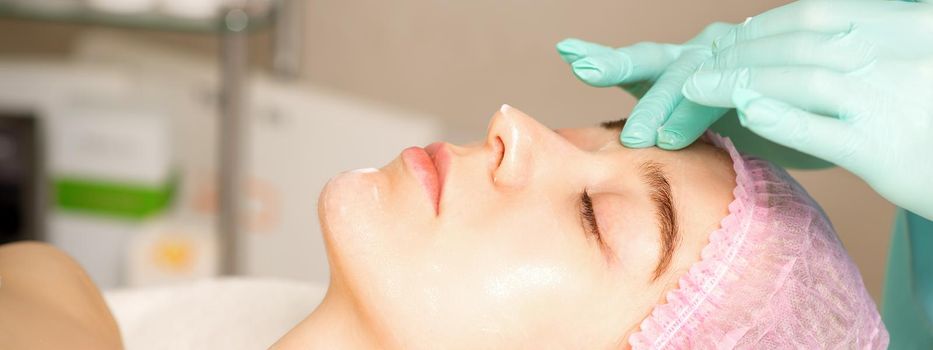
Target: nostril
(499,151)
(508,146)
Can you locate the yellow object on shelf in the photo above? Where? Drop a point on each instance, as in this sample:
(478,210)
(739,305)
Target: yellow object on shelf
(174,255)
(171,252)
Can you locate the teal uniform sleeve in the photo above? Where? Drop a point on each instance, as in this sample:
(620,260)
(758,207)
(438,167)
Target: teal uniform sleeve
(908,288)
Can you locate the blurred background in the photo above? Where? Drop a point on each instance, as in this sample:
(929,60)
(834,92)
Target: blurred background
(127,125)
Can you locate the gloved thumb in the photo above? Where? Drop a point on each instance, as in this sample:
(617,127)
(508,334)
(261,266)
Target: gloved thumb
(823,137)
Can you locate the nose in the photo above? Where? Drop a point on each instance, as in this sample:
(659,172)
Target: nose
(518,144)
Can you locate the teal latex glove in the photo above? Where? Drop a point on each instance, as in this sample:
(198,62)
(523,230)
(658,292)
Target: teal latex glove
(850,82)
(654,73)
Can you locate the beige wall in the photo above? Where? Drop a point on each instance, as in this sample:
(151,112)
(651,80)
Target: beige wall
(460,60)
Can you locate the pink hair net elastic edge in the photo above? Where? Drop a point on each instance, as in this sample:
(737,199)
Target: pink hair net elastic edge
(694,312)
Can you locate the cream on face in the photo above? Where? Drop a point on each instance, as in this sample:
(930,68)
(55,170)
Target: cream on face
(505,256)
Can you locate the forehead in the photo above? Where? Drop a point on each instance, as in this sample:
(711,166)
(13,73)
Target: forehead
(590,139)
(602,140)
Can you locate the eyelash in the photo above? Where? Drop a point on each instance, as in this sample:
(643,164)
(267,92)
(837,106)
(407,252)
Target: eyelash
(589,216)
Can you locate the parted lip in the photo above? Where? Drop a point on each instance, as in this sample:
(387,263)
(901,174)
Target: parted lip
(429,165)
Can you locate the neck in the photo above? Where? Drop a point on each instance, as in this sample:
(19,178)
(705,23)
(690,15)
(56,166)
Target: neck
(335,324)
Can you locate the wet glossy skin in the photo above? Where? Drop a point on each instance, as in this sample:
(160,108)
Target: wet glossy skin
(507,261)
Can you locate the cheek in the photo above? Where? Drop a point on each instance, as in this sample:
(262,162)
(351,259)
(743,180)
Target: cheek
(520,250)
(510,276)
(530,286)
(507,256)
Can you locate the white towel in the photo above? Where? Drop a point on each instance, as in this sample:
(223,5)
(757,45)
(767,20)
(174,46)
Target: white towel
(230,313)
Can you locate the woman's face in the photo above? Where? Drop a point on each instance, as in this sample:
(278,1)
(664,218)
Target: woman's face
(498,248)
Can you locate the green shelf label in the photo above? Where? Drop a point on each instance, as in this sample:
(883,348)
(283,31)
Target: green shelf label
(104,198)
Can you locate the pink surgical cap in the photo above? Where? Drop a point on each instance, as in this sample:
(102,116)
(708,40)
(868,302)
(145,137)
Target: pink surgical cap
(774,275)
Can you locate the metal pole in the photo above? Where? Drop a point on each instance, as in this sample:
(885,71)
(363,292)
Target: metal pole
(230,177)
(286,57)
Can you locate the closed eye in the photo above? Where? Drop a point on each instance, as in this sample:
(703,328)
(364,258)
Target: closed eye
(589,216)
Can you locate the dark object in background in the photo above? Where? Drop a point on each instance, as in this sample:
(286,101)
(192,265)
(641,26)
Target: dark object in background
(21,180)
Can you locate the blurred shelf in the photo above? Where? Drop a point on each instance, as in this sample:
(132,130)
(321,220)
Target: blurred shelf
(231,24)
(248,18)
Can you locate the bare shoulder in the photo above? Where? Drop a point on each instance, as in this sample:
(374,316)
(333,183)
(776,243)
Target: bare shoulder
(48,301)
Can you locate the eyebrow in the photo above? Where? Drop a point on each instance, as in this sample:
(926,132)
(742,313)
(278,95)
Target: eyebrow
(653,175)
(613,124)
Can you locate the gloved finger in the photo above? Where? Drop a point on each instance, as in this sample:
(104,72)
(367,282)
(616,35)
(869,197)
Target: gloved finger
(573,49)
(659,102)
(842,52)
(823,137)
(753,144)
(687,123)
(639,62)
(814,89)
(817,16)
(710,33)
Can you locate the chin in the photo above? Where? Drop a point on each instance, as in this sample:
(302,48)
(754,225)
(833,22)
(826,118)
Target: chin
(346,207)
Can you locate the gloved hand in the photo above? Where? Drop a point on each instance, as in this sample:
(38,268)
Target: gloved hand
(850,82)
(654,73)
